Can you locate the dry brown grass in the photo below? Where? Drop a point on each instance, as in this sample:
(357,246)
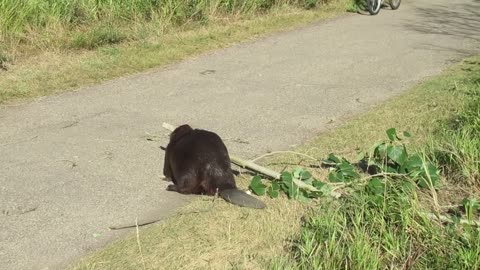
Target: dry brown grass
(207,234)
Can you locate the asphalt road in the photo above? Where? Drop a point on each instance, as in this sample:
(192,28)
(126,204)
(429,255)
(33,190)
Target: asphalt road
(75,163)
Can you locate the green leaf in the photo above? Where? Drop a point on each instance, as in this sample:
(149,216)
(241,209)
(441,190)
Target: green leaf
(302,197)
(296,173)
(392,134)
(288,186)
(376,186)
(433,173)
(423,183)
(390,169)
(331,159)
(407,186)
(360,156)
(326,189)
(286,176)
(301,174)
(471,202)
(257,186)
(397,153)
(380,151)
(407,134)
(305,175)
(471,205)
(318,184)
(336,177)
(309,181)
(272,191)
(414,161)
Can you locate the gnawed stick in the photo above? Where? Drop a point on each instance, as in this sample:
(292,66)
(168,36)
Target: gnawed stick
(254,167)
(168,126)
(260,169)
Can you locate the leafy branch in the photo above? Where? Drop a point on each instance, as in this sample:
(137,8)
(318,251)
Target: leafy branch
(388,158)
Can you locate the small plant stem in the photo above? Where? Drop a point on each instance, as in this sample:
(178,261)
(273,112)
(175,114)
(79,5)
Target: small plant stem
(283,152)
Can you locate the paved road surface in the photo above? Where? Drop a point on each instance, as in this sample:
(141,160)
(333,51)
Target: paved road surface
(82,161)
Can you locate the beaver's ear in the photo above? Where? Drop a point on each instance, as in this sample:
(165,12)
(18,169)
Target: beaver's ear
(179,132)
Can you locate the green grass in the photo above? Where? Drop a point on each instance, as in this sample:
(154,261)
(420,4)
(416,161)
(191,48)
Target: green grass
(356,5)
(4,59)
(456,145)
(355,232)
(44,25)
(97,37)
(360,231)
(67,58)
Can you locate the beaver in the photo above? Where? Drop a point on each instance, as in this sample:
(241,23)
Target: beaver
(197,162)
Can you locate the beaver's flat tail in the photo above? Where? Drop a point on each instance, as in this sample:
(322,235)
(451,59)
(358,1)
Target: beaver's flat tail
(241,198)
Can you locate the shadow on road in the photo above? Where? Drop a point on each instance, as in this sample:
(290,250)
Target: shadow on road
(458,20)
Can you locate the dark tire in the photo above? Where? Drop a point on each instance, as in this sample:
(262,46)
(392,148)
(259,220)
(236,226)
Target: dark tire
(395,4)
(373,6)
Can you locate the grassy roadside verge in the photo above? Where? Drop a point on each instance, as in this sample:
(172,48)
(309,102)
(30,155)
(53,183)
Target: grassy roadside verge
(390,222)
(356,232)
(55,70)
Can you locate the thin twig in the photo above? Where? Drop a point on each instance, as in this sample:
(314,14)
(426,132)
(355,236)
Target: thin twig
(451,206)
(283,152)
(139,245)
(363,180)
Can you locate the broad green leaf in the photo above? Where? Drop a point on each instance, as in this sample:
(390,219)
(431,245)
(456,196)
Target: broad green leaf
(375,186)
(397,153)
(326,189)
(392,134)
(380,151)
(407,186)
(390,169)
(345,166)
(422,183)
(471,205)
(336,177)
(470,202)
(309,181)
(407,134)
(286,176)
(433,172)
(318,184)
(360,156)
(296,173)
(272,192)
(331,159)
(414,161)
(302,197)
(286,182)
(275,185)
(375,199)
(257,186)
(415,174)
(305,175)
(289,187)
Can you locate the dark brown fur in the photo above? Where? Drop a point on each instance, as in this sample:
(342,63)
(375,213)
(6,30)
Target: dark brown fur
(197,162)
